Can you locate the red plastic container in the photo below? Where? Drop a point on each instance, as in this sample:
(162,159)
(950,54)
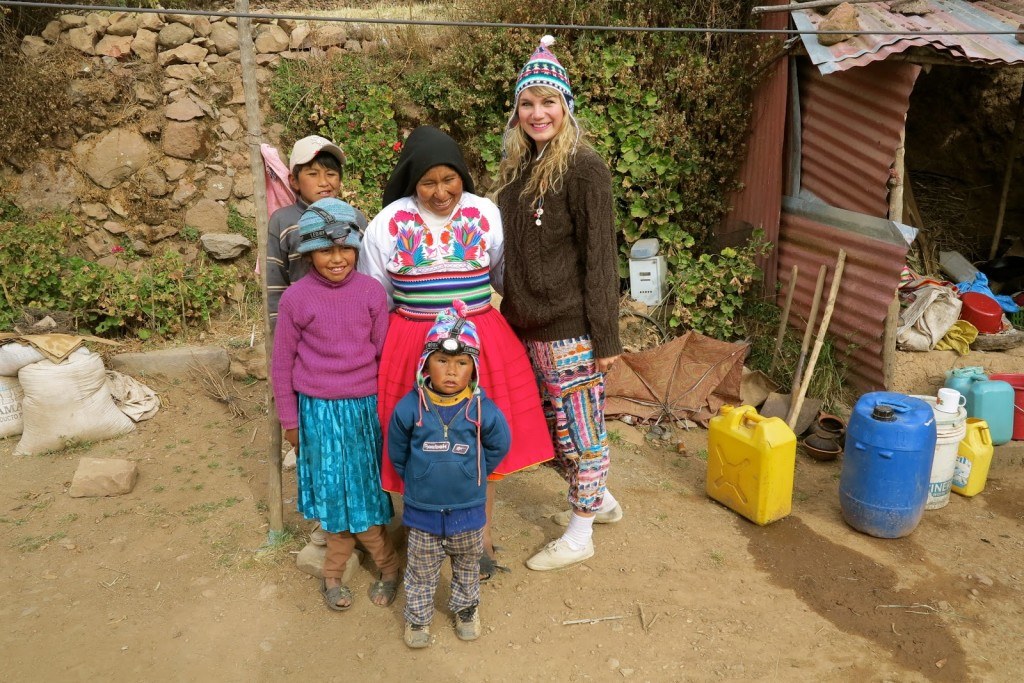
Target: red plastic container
(1017,382)
(982,311)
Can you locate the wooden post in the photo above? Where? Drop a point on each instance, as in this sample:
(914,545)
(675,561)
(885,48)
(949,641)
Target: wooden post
(899,168)
(892,315)
(1011,157)
(255,132)
(892,323)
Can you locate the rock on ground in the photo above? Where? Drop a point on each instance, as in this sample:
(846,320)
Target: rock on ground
(172,362)
(97,477)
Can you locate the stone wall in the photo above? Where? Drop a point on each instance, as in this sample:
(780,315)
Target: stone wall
(164,147)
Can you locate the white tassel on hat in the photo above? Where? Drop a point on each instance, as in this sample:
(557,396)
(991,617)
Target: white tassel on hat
(547,41)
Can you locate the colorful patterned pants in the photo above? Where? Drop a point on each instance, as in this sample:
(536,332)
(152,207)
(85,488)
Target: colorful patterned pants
(572,391)
(423,572)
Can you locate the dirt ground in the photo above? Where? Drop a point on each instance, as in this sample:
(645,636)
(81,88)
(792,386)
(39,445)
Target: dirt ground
(170,583)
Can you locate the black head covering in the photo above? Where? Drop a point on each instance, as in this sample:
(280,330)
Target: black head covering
(426,148)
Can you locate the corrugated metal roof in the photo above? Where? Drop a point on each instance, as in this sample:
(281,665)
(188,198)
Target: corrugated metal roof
(812,234)
(956,15)
(851,124)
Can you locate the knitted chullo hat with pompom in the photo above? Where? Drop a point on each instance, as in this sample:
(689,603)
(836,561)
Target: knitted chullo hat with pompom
(452,334)
(543,68)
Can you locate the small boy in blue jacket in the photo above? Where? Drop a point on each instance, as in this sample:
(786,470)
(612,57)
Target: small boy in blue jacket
(445,437)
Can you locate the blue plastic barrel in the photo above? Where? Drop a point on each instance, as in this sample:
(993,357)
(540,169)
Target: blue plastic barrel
(890,442)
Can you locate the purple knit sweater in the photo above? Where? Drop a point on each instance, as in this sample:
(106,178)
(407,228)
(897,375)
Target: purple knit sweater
(328,341)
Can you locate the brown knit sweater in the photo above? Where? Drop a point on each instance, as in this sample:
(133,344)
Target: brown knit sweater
(561,278)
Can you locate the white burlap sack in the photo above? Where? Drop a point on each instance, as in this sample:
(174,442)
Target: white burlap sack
(14,356)
(10,406)
(67,403)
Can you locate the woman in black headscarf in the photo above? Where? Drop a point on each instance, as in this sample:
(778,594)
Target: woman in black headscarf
(434,242)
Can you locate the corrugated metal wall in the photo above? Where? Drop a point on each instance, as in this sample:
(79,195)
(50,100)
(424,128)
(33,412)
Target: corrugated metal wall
(811,235)
(759,203)
(851,128)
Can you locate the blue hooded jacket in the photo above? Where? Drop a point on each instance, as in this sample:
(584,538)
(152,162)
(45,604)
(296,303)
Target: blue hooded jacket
(446,469)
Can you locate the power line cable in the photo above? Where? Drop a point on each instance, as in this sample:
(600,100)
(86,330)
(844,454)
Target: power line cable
(497,25)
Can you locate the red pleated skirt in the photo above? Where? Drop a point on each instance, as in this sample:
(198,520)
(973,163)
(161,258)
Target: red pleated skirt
(505,376)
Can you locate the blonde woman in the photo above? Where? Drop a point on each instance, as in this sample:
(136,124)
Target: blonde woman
(562,289)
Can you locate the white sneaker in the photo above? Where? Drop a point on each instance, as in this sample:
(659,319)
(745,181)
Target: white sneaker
(288,463)
(605,517)
(559,555)
(467,623)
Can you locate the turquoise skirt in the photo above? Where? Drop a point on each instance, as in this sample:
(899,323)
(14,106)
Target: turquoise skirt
(338,466)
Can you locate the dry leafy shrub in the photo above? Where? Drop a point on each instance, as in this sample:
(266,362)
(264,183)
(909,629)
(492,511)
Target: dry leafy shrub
(37,104)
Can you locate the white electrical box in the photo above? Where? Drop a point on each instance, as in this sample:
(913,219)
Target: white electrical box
(647,272)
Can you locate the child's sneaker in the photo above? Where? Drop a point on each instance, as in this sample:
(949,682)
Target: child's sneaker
(317,535)
(417,635)
(467,623)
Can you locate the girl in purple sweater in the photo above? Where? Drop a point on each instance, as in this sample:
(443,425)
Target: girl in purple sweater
(330,332)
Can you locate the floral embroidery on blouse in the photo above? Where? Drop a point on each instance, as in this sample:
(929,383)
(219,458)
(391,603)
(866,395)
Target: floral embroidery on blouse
(462,240)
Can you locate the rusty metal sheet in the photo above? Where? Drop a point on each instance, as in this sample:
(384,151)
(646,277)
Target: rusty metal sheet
(759,202)
(946,15)
(811,234)
(851,124)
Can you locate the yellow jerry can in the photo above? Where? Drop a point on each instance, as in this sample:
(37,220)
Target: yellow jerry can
(751,460)
(973,458)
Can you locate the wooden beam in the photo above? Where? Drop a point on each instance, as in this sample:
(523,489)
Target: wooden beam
(814,4)
(255,133)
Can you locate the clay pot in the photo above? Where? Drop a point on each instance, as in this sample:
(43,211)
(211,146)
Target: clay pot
(820,448)
(832,426)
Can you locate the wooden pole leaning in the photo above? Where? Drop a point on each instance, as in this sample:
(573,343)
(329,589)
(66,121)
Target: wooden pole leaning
(784,319)
(255,134)
(798,400)
(805,345)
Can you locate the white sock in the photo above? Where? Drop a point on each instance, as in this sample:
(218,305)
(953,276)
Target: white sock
(580,531)
(609,502)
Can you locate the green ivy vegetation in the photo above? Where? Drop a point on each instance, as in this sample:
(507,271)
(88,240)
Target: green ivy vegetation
(37,272)
(669,112)
(241,225)
(348,101)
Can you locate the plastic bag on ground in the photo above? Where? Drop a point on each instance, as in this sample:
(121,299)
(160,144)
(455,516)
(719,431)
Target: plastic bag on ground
(134,398)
